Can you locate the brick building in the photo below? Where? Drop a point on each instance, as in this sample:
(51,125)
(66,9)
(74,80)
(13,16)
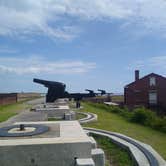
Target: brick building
(8,98)
(147,91)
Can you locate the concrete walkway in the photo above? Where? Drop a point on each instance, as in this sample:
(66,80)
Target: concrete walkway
(26,115)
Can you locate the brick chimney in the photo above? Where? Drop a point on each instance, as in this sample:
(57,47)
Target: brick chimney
(136,75)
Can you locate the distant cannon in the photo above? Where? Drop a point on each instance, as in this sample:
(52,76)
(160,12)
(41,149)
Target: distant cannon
(90,91)
(80,96)
(57,90)
(103,92)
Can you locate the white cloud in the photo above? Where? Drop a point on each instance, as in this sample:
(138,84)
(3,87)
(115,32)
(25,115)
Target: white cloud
(30,17)
(155,63)
(38,65)
(25,17)
(158,61)
(6,50)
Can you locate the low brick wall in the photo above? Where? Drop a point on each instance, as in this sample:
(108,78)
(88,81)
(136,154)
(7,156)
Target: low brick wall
(8,98)
(26,96)
(100,99)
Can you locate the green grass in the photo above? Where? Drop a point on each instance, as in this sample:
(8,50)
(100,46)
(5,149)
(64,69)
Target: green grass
(117,98)
(113,122)
(79,116)
(54,119)
(7,111)
(114,154)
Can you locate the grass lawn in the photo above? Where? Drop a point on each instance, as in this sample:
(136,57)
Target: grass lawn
(80,116)
(54,119)
(117,98)
(7,111)
(113,122)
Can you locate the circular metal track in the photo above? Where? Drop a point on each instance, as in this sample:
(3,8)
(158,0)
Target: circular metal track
(39,129)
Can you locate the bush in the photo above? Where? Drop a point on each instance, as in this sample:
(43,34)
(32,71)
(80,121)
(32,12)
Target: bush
(138,116)
(159,124)
(142,116)
(116,109)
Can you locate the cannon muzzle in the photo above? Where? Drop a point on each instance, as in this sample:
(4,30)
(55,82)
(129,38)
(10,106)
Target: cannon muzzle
(90,91)
(103,92)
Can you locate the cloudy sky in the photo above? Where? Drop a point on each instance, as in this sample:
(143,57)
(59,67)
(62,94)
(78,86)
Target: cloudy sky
(83,43)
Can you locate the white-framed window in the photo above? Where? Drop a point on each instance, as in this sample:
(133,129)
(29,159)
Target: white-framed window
(153,97)
(152,81)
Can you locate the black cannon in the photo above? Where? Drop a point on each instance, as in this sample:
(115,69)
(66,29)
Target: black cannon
(103,92)
(57,90)
(90,91)
(80,96)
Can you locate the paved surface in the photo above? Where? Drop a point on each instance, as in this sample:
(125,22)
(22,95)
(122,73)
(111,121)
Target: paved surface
(37,101)
(27,115)
(111,103)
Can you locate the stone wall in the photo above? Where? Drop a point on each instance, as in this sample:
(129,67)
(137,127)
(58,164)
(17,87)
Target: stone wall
(26,96)
(8,98)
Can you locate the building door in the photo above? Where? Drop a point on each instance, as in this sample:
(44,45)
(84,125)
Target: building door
(152,98)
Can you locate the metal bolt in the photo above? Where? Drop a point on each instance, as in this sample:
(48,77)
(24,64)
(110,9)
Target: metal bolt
(22,127)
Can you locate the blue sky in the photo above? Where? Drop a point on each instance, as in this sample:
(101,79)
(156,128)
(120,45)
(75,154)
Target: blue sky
(85,43)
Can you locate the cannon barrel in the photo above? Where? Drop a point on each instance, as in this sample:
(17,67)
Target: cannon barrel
(90,91)
(48,83)
(80,96)
(102,91)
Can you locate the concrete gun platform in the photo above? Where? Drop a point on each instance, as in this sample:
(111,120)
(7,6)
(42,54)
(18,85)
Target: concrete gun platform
(59,110)
(62,145)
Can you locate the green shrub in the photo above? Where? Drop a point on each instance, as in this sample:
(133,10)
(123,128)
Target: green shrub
(116,109)
(138,116)
(159,124)
(142,116)
(126,114)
